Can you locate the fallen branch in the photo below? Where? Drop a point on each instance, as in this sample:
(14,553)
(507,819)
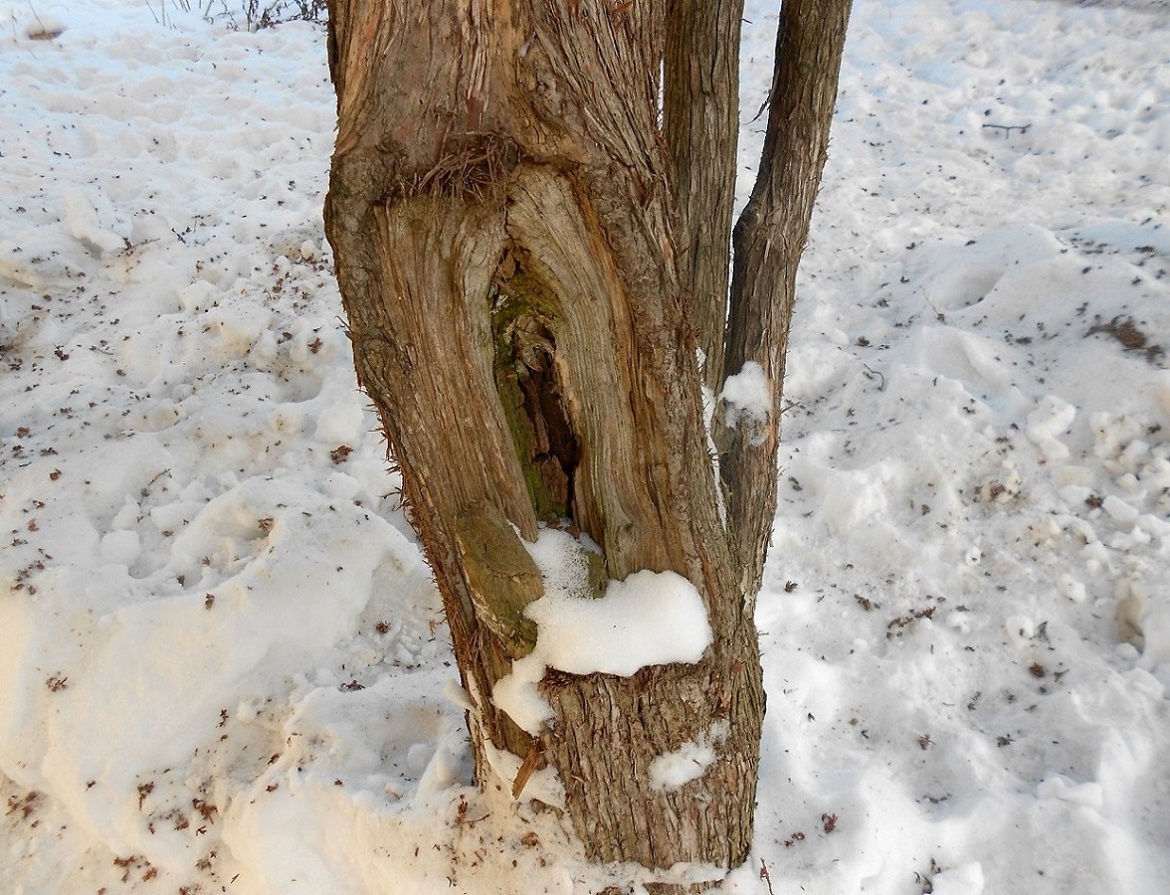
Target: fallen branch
(1008,128)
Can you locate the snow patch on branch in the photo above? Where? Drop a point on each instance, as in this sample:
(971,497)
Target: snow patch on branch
(747,401)
(650,618)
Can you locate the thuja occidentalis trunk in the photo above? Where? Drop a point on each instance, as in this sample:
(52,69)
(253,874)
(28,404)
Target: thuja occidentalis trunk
(505,219)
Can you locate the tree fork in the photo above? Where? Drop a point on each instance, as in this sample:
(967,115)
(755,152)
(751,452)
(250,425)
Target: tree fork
(505,226)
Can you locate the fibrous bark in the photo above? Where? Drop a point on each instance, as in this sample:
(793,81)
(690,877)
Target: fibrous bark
(701,126)
(528,266)
(504,230)
(769,239)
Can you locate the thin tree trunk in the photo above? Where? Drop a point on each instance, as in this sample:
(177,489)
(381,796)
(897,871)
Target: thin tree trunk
(701,124)
(769,240)
(504,234)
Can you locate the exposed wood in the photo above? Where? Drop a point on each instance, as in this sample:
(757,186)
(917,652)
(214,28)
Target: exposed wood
(528,264)
(502,578)
(504,234)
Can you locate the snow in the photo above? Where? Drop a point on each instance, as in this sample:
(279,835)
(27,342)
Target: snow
(963,880)
(517,694)
(649,618)
(689,761)
(1052,418)
(223,663)
(747,400)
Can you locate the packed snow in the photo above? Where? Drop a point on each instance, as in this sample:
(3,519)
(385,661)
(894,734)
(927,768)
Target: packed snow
(689,761)
(223,664)
(649,618)
(747,401)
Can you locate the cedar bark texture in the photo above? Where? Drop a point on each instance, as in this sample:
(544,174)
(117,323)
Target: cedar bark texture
(701,126)
(506,219)
(769,239)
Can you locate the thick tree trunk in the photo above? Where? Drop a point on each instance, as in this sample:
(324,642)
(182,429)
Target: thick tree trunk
(529,265)
(505,238)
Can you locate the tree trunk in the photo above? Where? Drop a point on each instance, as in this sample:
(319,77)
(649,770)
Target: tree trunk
(501,216)
(504,215)
(769,240)
(701,124)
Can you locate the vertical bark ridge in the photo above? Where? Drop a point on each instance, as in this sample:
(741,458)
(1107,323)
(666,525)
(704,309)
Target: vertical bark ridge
(701,124)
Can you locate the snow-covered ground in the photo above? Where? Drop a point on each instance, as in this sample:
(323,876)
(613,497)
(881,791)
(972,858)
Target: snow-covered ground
(223,665)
